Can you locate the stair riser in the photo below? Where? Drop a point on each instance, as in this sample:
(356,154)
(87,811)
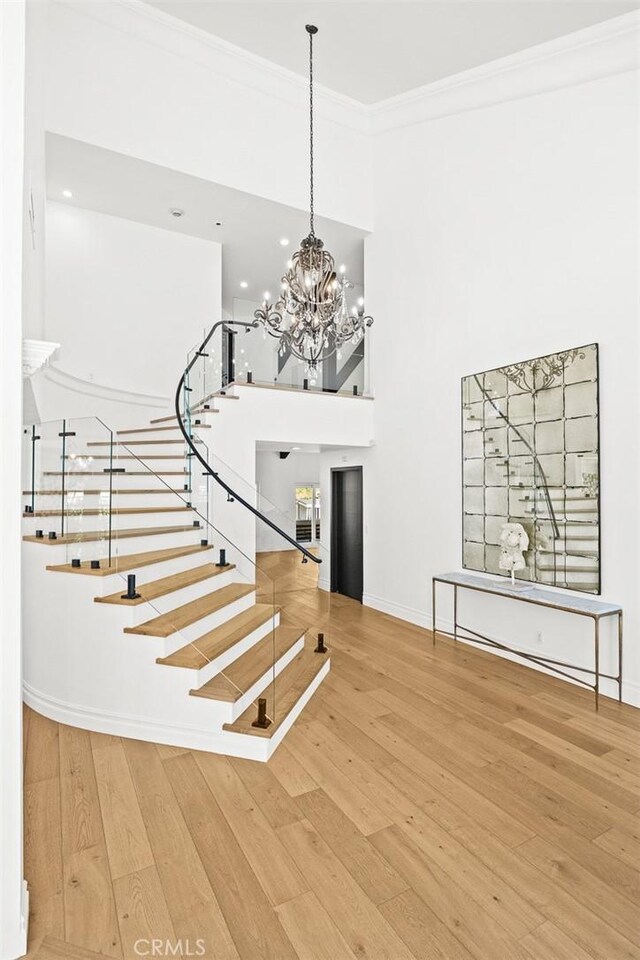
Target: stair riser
(202,626)
(80,501)
(143,543)
(238,708)
(98,549)
(77,522)
(142,612)
(154,461)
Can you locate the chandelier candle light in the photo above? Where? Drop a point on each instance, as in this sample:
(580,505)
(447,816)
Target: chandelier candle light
(311,317)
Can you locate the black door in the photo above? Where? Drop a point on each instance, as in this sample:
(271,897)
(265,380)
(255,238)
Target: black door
(228,356)
(346,532)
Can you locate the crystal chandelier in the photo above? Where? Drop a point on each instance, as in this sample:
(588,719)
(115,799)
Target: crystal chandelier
(311,317)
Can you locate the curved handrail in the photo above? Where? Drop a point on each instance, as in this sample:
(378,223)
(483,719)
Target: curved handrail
(307,555)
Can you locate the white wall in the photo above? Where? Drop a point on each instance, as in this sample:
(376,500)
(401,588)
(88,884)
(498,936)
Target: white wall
(130,79)
(126,301)
(34,173)
(519,227)
(276,480)
(13,900)
(277,416)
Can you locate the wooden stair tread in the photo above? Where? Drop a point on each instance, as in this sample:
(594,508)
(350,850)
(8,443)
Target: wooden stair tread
(128,561)
(289,687)
(96,492)
(160,588)
(122,433)
(183,616)
(98,511)
(89,535)
(217,641)
(241,675)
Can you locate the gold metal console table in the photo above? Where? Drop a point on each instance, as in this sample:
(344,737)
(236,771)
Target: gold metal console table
(581,606)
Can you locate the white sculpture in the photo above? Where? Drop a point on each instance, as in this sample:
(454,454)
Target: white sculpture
(514,540)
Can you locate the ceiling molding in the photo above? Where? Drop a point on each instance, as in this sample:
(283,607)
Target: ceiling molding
(602,50)
(240,66)
(598,51)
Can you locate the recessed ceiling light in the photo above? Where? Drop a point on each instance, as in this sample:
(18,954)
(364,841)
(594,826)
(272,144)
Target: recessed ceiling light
(176,212)
(284,242)
(67,194)
(244,284)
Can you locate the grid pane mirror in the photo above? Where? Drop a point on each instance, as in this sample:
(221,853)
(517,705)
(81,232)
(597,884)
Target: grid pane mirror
(530,455)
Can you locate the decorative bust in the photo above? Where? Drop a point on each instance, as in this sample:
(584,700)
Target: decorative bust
(514,540)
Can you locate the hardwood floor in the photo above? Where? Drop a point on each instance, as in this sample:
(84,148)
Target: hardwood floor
(426,805)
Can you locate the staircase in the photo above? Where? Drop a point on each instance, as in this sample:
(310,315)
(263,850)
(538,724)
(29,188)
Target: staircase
(142,618)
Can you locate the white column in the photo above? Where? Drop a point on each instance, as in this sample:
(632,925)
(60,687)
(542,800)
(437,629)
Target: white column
(12,71)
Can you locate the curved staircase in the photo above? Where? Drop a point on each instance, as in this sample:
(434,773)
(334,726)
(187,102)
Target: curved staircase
(182,653)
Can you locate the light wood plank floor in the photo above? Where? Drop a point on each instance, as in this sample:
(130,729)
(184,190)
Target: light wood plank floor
(426,805)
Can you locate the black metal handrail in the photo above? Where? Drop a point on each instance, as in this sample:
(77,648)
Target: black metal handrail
(307,555)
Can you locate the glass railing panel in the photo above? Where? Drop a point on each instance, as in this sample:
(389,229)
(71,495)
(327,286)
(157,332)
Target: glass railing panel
(88,480)
(42,476)
(301,594)
(235,505)
(249,591)
(262,359)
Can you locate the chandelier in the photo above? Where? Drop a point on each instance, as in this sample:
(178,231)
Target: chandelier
(311,317)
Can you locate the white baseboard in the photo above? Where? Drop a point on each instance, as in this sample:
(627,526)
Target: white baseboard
(422,618)
(176,735)
(24,915)
(135,728)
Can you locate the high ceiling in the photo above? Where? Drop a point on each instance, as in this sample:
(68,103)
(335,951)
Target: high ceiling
(374,50)
(249,228)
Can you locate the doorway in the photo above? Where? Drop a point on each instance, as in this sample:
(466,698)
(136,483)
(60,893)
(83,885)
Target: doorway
(307,498)
(228,356)
(346,532)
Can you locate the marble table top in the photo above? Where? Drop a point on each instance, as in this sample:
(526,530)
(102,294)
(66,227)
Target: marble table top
(586,606)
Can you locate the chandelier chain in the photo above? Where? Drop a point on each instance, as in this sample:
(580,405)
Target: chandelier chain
(311,317)
(311,210)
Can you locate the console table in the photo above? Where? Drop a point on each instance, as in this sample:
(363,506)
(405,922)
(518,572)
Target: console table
(581,606)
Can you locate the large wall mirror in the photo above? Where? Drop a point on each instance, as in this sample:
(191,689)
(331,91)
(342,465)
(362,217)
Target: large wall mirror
(530,455)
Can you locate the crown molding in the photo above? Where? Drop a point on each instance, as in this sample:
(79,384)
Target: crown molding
(227,60)
(599,51)
(604,49)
